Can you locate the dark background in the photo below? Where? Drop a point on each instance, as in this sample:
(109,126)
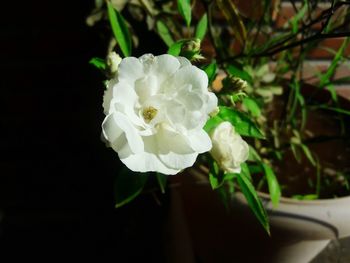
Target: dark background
(56,176)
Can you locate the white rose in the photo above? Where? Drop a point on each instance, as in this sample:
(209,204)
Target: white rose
(156,109)
(229,149)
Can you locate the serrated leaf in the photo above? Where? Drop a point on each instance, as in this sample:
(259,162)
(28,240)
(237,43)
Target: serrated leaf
(254,201)
(175,48)
(242,123)
(252,106)
(98,63)
(128,185)
(120,30)
(184,7)
(201,29)
(211,71)
(274,187)
(164,33)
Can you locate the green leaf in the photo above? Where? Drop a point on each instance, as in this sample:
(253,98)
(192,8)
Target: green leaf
(245,170)
(164,33)
(305,197)
(308,154)
(253,155)
(299,16)
(120,30)
(184,7)
(243,125)
(339,110)
(274,187)
(255,169)
(175,48)
(253,201)
(331,69)
(201,29)
(215,177)
(211,71)
(128,185)
(162,180)
(212,123)
(295,151)
(98,63)
(240,73)
(252,106)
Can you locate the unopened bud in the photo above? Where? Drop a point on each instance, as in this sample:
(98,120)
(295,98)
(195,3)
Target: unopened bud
(113,61)
(191,49)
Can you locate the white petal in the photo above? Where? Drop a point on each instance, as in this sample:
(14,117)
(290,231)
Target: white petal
(235,170)
(135,141)
(147,162)
(188,75)
(130,69)
(178,161)
(146,87)
(212,102)
(107,97)
(200,141)
(184,61)
(110,129)
(125,99)
(175,112)
(166,66)
(195,120)
(174,150)
(191,100)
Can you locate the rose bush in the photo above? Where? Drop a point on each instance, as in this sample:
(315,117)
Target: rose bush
(156,108)
(229,149)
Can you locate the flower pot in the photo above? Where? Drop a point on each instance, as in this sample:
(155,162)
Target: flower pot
(203,230)
(308,225)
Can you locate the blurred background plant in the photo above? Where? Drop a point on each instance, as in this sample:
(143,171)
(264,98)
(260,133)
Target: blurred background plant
(256,55)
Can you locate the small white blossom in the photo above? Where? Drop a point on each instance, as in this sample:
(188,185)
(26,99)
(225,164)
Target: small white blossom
(156,108)
(229,149)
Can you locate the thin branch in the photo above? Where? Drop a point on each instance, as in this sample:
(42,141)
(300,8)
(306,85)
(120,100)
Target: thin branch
(278,47)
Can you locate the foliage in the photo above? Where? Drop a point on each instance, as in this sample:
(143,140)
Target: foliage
(254,66)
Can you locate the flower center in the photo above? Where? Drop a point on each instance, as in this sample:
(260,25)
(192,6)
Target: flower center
(149,113)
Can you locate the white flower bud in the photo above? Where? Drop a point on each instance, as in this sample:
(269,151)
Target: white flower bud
(229,149)
(113,61)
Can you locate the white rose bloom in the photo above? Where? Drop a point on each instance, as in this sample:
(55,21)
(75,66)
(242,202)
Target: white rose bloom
(229,149)
(156,109)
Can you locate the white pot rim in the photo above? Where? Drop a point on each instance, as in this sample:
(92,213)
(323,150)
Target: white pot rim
(288,200)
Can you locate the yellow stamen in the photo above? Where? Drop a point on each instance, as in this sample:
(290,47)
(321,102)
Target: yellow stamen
(149,113)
